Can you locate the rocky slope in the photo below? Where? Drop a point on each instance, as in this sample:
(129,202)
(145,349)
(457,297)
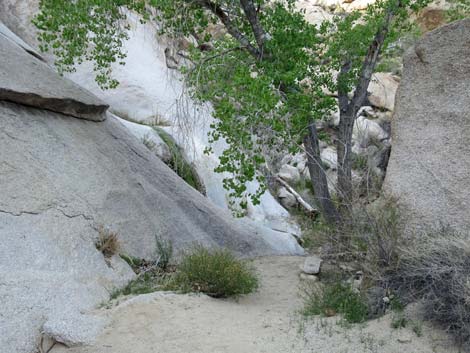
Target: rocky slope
(61,178)
(151,92)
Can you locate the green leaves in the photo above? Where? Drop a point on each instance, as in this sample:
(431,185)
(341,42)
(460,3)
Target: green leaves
(261,106)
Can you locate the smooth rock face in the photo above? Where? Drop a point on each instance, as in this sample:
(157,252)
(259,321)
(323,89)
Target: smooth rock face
(429,165)
(62,177)
(27,80)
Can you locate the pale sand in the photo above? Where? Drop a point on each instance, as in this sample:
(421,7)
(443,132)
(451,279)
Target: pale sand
(266,322)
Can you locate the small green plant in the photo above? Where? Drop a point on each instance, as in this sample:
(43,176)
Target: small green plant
(179,163)
(359,162)
(315,231)
(133,262)
(164,252)
(147,281)
(217,273)
(107,243)
(399,321)
(148,142)
(417,328)
(335,298)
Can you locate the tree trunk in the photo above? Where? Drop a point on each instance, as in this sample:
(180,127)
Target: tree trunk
(349,108)
(344,150)
(318,177)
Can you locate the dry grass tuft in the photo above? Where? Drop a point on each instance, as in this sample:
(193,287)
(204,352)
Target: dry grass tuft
(107,243)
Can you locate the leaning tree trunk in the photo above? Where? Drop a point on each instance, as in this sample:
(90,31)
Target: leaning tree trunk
(318,177)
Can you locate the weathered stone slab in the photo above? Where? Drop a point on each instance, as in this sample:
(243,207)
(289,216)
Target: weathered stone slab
(26,80)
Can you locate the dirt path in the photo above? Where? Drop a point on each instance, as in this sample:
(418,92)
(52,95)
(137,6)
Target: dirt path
(266,322)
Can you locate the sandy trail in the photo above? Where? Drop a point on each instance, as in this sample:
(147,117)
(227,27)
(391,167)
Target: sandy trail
(265,322)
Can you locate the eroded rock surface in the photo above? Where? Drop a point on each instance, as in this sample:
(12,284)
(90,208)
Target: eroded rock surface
(430,161)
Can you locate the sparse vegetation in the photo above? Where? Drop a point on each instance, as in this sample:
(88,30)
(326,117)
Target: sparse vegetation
(179,163)
(335,298)
(417,327)
(399,321)
(459,9)
(148,142)
(150,279)
(164,249)
(217,273)
(107,243)
(435,269)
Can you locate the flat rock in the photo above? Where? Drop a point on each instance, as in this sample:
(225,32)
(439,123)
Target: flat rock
(312,265)
(27,80)
(430,160)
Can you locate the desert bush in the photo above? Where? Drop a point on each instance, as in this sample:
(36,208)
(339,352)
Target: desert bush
(435,269)
(107,243)
(370,237)
(217,273)
(335,298)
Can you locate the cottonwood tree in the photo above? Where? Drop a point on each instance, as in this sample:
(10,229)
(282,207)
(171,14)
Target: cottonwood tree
(269,79)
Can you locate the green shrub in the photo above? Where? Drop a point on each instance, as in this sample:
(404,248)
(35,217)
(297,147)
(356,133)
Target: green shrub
(164,249)
(216,273)
(335,298)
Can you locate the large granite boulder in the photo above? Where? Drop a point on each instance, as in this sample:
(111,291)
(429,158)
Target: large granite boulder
(62,177)
(429,166)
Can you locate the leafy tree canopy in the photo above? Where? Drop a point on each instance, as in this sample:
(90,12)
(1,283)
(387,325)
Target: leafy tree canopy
(267,79)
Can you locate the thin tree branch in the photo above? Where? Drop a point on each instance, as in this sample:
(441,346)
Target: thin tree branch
(231,28)
(371,59)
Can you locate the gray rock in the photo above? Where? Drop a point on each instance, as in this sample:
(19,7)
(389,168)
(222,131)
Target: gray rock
(382,90)
(308,278)
(286,198)
(289,173)
(430,160)
(36,85)
(6,32)
(312,265)
(73,328)
(61,177)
